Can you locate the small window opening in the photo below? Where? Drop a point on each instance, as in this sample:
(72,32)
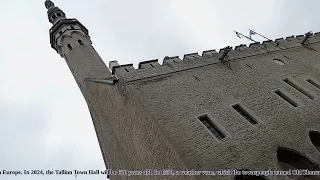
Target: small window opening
(244,113)
(298,88)
(126,69)
(60,32)
(59,14)
(69,46)
(286,98)
(313,83)
(206,121)
(54,16)
(315,139)
(80,42)
(72,27)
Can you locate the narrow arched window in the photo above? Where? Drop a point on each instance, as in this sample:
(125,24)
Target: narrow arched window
(69,46)
(80,42)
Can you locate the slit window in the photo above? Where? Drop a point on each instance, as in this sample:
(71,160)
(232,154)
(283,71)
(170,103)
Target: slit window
(54,16)
(286,98)
(313,83)
(151,65)
(72,27)
(126,69)
(298,88)
(69,46)
(80,42)
(206,121)
(244,113)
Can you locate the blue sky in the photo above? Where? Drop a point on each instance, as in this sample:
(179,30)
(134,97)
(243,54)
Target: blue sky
(45,123)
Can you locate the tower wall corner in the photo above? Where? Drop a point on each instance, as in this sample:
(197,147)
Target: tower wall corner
(134,132)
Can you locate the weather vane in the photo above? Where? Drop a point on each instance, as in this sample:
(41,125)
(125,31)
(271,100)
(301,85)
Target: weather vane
(251,32)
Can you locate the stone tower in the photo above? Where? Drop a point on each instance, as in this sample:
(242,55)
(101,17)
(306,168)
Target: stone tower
(72,41)
(247,108)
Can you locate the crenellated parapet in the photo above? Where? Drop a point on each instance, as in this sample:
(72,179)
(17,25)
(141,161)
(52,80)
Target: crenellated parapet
(191,56)
(148,64)
(66,26)
(174,59)
(192,60)
(209,53)
(121,69)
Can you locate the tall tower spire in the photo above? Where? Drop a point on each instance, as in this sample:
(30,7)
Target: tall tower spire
(54,13)
(72,41)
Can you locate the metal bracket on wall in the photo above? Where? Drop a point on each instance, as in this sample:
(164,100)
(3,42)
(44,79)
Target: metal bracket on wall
(306,42)
(110,80)
(225,58)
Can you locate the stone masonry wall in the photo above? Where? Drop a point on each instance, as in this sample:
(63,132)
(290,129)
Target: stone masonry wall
(283,100)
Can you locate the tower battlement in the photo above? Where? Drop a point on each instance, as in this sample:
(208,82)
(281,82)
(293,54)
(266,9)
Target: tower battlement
(192,60)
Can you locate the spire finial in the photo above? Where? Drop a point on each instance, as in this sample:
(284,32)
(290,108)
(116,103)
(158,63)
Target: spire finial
(49,4)
(54,13)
